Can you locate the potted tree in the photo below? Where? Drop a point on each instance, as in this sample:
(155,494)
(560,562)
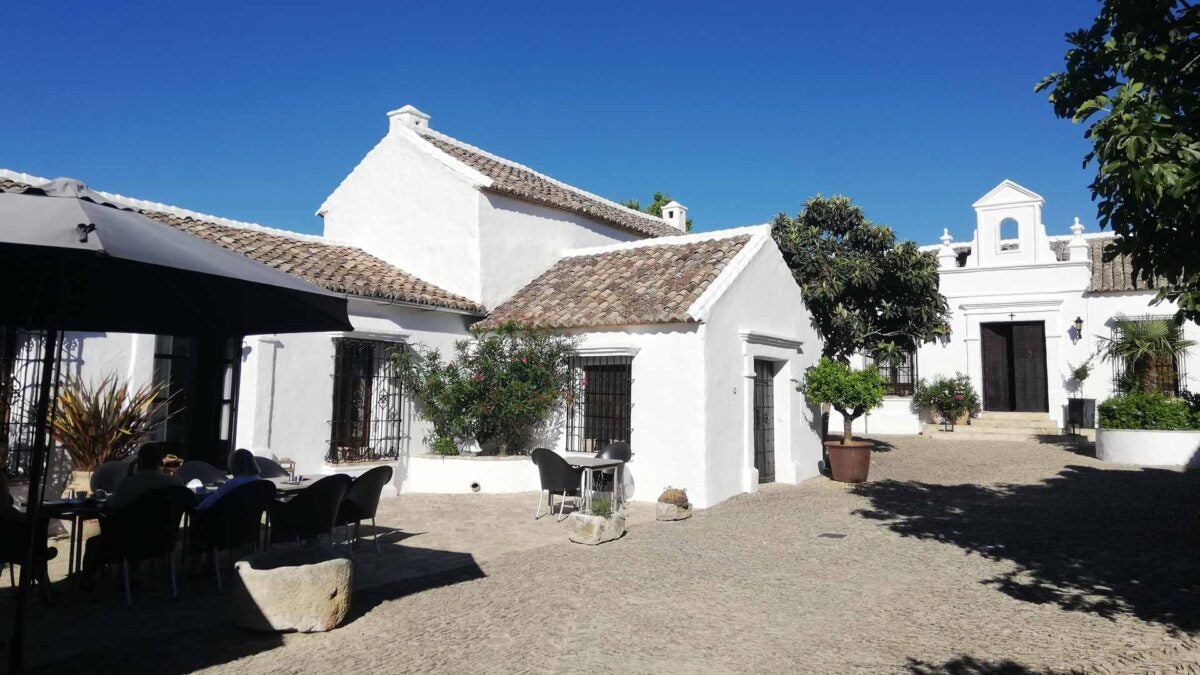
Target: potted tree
(851,393)
(868,294)
(1081,412)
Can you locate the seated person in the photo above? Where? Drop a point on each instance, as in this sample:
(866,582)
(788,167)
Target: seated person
(244,470)
(148,476)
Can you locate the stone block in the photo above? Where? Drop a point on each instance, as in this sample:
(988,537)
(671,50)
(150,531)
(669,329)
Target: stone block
(292,590)
(671,512)
(592,530)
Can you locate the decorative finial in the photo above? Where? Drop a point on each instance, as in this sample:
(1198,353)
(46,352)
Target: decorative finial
(946,238)
(1077,228)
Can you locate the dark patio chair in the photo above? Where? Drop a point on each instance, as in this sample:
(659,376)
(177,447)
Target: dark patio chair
(312,512)
(362,501)
(234,521)
(14,538)
(269,468)
(108,476)
(615,450)
(202,471)
(145,529)
(557,477)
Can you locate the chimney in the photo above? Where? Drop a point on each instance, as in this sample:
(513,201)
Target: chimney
(407,117)
(676,215)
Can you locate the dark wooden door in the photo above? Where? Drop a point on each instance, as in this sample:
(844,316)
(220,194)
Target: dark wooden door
(1014,366)
(764,420)
(1029,366)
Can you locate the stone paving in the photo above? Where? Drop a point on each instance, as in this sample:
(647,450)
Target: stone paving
(969,557)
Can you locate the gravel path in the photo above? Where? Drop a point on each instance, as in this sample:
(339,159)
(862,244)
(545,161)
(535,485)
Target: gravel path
(956,558)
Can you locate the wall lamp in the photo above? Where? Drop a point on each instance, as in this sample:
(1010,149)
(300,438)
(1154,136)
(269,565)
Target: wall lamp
(1078,325)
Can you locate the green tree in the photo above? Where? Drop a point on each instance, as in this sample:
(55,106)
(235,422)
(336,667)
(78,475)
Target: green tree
(1134,76)
(656,206)
(866,293)
(850,392)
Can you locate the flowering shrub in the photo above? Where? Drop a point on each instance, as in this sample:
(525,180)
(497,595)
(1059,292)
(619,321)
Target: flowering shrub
(497,389)
(950,397)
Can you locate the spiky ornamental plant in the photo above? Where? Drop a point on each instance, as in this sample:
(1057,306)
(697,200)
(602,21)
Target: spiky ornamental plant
(102,422)
(1141,344)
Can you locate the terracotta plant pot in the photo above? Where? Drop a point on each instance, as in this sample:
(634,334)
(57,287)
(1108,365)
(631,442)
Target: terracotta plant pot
(849,462)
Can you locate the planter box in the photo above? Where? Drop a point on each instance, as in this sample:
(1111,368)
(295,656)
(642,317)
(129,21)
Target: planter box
(1149,448)
(465,474)
(671,512)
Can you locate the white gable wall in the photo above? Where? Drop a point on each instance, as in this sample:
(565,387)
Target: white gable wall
(410,207)
(519,240)
(760,315)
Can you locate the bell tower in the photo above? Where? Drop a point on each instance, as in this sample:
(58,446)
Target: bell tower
(1009,229)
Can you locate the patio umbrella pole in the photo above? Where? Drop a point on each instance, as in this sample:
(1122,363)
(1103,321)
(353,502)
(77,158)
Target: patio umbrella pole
(34,499)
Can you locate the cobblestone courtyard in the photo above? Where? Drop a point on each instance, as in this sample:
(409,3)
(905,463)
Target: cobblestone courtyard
(956,558)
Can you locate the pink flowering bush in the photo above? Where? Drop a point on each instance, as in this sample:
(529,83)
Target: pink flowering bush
(949,397)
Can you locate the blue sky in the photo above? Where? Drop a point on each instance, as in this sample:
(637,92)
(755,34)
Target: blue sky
(256,111)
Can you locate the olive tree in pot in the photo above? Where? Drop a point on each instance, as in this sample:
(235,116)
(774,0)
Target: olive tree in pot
(851,393)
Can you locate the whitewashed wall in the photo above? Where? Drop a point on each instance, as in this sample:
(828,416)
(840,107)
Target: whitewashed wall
(761,315)
(287,382)
(406,205)
(668,415)
(520,240)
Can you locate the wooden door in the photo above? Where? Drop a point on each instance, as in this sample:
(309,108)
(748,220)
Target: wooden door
(995,340)
(1014,366)
(1029,367)
(764,420)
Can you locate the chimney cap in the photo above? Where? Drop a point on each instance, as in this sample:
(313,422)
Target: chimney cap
(408,116)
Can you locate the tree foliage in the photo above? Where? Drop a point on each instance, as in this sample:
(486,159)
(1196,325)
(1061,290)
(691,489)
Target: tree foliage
(497,389)
(655,207)
(850,392)
(866,293)
(1134,76)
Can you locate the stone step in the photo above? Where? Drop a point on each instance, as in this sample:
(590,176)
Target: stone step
(1029,416)
(1005,423)
(976,433)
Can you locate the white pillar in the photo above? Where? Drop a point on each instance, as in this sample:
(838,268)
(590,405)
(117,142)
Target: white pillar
(947,258)
(1078,249)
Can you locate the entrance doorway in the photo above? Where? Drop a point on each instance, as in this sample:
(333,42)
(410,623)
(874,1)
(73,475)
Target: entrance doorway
(1014,366)
(764,420)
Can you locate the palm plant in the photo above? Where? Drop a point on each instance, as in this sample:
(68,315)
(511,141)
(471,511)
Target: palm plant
(102,422)
(1140,345)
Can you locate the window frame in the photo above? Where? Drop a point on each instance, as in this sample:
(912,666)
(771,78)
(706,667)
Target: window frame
(605,414)
(371,437)
(892,375)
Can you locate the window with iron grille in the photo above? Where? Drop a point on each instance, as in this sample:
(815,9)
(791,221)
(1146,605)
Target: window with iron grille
(368,411)
(900,376)
(600,402)
(20,386)
(1166,374)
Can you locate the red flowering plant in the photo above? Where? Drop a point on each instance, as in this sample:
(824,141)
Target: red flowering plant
(949,397)
(498,388)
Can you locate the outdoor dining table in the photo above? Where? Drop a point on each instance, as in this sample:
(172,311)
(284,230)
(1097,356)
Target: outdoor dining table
(591,465)
(79,511)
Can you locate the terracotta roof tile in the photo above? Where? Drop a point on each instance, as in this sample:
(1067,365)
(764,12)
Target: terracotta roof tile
(517,181)
(639,285)
(339,268)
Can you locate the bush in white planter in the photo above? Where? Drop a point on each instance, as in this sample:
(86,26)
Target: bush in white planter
(1149,428)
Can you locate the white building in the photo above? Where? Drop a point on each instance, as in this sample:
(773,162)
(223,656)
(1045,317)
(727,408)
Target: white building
(684,352)
(1015,295)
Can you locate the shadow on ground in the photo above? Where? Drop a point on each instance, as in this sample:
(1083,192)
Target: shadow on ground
(1088,539)
(968,665)
(96,632)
